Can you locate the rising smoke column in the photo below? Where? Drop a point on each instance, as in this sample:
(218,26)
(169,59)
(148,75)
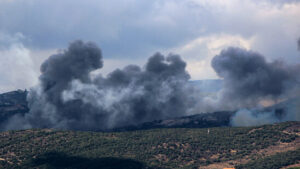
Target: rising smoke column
(250,79)
(131,95)
(47,108)
(68,97)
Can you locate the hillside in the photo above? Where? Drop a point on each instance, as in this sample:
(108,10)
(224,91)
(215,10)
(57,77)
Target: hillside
(269,146)
(203,120)
(12,103)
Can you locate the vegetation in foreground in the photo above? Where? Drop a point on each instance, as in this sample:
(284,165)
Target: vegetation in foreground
(155,148)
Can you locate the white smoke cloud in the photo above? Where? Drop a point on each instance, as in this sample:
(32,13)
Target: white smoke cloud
(256,117)
(16,64)
(246,117)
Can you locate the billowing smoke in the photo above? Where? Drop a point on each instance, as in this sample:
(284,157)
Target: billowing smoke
(248,117)
(68,97)
(250,80)
(254,117)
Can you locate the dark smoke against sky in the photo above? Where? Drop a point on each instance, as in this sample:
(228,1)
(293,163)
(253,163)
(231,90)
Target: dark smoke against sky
(249,78)
(69,97)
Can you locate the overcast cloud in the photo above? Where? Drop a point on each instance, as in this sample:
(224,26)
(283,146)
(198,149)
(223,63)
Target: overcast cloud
(132,30)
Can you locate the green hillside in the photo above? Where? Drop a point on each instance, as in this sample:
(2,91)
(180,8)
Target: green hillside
(156,148)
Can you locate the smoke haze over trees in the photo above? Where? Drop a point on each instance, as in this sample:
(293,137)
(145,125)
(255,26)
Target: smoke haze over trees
(69,97)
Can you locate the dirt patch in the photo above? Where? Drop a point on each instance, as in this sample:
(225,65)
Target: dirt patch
(215,156)
(48,130)
(293,130)
(161,157)
(294,165)
(254,130)
(272,150)
(165,145)
(279,148)
(218,166)
(111,137)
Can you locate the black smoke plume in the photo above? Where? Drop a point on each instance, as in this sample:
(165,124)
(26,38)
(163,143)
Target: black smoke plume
(68,97)
(250,79)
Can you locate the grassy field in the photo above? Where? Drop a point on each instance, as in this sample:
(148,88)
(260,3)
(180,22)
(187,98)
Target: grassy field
(270,145)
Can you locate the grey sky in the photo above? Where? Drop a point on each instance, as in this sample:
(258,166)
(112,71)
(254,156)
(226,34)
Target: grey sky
(129,31)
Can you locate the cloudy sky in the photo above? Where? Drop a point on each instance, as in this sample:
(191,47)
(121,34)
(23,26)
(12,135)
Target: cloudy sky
(129,31)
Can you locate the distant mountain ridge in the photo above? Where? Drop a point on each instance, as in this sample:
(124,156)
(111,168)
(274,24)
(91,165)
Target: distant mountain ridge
(203,120)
